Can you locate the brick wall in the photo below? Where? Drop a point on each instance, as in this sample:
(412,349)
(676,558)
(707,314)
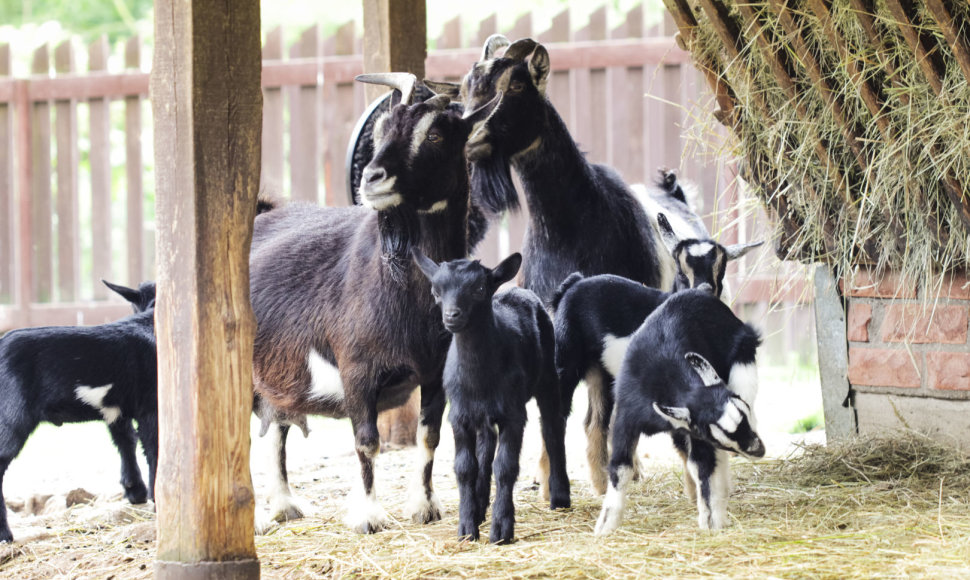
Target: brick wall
(908,341)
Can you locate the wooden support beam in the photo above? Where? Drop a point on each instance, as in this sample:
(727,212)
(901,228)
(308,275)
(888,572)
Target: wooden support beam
(207,109)
(395,33)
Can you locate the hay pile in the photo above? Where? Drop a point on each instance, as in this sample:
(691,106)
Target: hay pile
(878,507)
(852,181)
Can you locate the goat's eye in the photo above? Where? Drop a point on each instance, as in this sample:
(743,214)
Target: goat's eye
(434,136)
(516,86)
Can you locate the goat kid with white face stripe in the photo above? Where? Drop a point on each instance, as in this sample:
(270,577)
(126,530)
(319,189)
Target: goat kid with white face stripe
(346,326)
(669,382)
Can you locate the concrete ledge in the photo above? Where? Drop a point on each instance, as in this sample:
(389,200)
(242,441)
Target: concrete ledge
(947,421)
(231,570)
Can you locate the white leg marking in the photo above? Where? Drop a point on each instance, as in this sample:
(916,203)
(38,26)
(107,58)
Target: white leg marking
(364,514)
(282,505)
(325,382)
(614,503)
(614,349)
(94,396)
(720,486)
(597,432)
(703,509)
(423,505)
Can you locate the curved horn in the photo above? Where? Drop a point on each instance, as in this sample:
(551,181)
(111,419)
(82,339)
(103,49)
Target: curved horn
(492,44)
(403,82)
(520,49)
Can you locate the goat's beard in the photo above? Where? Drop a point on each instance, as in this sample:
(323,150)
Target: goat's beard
(492,185)
(399,230)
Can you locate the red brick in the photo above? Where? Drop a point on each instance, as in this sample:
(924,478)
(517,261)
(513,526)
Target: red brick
(860,314)
(951,286)
(916,323)
(867,284)
(881,367)
(948,370)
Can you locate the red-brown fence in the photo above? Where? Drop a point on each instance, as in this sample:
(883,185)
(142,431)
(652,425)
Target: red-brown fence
(628,95)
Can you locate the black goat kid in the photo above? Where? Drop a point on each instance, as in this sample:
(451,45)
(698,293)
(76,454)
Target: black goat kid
(501,356)
(72,374)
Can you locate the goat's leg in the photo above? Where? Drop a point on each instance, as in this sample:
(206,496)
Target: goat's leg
(597,424)
(485,451)
(424,506)
(682,443)
(12,439)
(5,534)
(711,471)
(124,438)
(466,472)
(626,432)
(364,514)
(506,472)
(148,435)
(282,505)
(554,439)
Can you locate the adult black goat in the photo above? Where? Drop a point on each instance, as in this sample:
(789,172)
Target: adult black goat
(583,217)
(346,326)
(72,374)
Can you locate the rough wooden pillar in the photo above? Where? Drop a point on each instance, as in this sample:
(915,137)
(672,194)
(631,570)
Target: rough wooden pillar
(395,33)
(207,106)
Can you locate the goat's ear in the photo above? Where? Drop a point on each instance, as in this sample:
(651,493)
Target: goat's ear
(667,234)
(444,88)
(506,270)
(539,68)
(129,294)
(703,369)
(426,264)
(737,250)
(679,417)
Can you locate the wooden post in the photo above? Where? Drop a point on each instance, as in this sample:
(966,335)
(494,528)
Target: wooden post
(207,109)
(395,40)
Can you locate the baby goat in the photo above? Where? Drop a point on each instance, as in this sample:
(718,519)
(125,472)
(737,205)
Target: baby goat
(501,356)
(596,316)
(666,384)
(72,374)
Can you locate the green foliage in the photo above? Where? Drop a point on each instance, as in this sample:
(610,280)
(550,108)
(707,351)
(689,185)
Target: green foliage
(86,18)
(809,423)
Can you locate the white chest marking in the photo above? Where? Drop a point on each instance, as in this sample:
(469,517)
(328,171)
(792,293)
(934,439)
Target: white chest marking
(325,380)
(94,396)
(614,349)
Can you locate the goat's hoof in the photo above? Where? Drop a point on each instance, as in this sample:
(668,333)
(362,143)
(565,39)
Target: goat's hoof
(606,523)
(6,536)
(426,510)
(502,533)
(366,516)
(468,533)
(560,502)
(286,510)
(136,494)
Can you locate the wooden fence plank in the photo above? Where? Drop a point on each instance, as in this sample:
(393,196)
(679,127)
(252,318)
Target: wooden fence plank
(68,235)
(598,103)
(135,245)
(7,212)
(274,152)
(489,250)
(305,125)
(518,222)
(557,89)
(339,121)
(619,115)
(487,27)
(101,262)
(41,223)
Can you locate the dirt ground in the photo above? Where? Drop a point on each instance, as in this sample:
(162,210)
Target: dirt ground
(107,538)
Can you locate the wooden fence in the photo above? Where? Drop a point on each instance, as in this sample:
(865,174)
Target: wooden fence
(76,197)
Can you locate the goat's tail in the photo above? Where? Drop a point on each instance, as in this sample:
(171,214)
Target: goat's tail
(563,288)
(267,200)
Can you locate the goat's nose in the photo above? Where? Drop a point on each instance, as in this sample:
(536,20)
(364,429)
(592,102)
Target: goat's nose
(374,175)
(452,313)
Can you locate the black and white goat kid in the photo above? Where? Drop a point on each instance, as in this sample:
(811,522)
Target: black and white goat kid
(72,374)
(501,356)
(670,382)
(346,326)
